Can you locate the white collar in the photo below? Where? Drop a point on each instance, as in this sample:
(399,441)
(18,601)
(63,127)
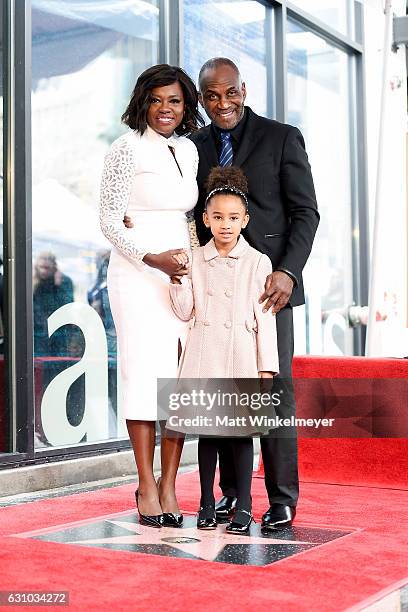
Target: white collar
(151,134)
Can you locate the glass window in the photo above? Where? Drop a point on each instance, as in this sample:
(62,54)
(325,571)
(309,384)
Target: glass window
(4,421)
(318,100)
(234,29)
(335,13)
(86,59)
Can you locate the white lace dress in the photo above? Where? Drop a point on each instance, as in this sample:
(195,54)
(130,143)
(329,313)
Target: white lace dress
(142,179)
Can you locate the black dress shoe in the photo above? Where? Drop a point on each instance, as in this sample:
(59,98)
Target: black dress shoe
(241,522)
(206,518)
(278,516)
(172,519)
(225,508)
(149,520)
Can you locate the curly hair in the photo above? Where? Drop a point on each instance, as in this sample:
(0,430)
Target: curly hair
(135,115)
(227,180)
(229,176)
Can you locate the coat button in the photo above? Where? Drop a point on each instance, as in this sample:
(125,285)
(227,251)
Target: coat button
(211,263)
(230,263)
(211,292)
(228,293)
(227,324)
(206,323)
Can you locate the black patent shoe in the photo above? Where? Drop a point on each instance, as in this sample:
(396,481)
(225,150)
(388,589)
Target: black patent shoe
(206,518)
(241,522)
(149,520)
(172,519)
(224,509)
(278,517)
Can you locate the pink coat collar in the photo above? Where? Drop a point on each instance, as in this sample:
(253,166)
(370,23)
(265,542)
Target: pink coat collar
(210,251)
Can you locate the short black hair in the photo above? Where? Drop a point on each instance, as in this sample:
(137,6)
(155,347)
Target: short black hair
(213,64)
(135,115)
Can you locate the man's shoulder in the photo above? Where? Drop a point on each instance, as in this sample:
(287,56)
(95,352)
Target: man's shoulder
(200,135)
(270,125)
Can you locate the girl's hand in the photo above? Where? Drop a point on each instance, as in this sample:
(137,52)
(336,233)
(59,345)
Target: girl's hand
(266,382)
(176,279)
(181,258)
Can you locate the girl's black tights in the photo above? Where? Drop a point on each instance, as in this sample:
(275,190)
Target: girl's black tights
(243,453)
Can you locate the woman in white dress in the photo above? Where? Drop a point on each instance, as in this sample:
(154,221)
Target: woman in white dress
(150,175)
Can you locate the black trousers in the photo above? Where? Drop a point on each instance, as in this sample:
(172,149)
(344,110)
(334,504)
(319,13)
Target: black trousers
(279,448)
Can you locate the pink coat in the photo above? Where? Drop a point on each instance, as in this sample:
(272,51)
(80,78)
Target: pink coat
(229,335)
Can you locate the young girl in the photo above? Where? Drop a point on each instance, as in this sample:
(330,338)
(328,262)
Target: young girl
(230,336)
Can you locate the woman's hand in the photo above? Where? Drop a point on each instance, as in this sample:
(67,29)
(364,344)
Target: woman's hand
(172,262)
(169,262)
(182,260)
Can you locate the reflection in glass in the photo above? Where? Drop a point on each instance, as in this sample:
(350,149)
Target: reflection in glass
(87,56)
(334,13)
(234,29)
(318,99)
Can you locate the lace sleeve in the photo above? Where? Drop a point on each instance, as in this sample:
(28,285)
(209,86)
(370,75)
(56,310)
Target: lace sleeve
(196,161)
(117,178)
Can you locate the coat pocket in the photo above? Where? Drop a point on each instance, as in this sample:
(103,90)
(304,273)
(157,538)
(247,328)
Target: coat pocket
(276,235)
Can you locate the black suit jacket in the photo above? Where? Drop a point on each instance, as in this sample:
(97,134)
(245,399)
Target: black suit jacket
(282,201)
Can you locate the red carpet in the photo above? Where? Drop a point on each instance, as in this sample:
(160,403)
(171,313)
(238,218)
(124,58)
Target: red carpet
(337,575)
(375,459)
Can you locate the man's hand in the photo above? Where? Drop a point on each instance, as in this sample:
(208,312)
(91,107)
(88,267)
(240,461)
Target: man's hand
(172,262)
(278,289)
(127,221)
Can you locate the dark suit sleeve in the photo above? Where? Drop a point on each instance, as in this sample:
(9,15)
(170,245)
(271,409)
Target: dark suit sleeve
(300,200)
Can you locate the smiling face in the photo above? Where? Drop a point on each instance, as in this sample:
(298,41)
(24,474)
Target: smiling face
(166,109)
(225,215)
(222,96)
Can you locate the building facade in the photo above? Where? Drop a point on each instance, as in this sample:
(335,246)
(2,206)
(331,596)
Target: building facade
(68,71)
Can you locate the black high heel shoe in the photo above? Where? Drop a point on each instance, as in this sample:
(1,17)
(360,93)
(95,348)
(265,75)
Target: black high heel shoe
(148,519)
(241,522)
(206,518)
(171,519)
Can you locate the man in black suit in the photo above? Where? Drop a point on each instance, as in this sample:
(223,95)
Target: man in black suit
(283,222)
